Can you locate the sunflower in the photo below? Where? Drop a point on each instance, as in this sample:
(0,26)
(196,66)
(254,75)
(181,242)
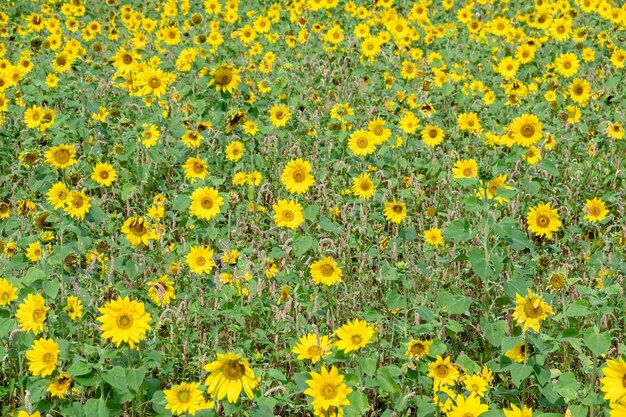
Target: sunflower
(443,372)
(433,237)
(354,335)
(77,204)
(432,135)
(476,384)
(150,136)
(161,290)
(153,81)
(279,115)
(467,168)
(234,151)
(60,385)
(61,156)
(33,252)
(74,307)
(33,117)
(235,119)
(542,220)
(288,214)
(328,390)
(185,397)
(191,139)
(595,210)
(228,375)
(566,64)
(580,91)
(104,174)
(467,407)
(314,347)
(205,203)
(417,349)
(200,260)
(361,143)
(532,156)
(515,411)
(363,187)
(137,231)
(379,133)
(124,320)
(195,168)
(395,211)
(469,122)
(618,58)
(126,61)
(526,130)
(531,311)
(614,380)
(508,67)
(296,176)
(42,357)
(225,78)
(326,272)
(409,123)
(8,293)
(615,130)
(5,210)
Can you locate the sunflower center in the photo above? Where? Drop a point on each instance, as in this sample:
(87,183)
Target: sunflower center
(47,358)
(468,415)
(288,215)
(62,156)
(417,349)
(124,321)
(38,314)
(233,369)
(127,59)
(397,208)
(543,220)
(378,130)
(567,65)
(104,175)
(61,61)
(329,391)
(365,186)
(154,82)
(578,90)
(138,228)
(198,168)
(531,311)
(223,76)
(200,261)
(432,133)
(5,296)
(279,114)
(207,203)
(528,131)
(594,211)
(314,350)
(183,396)
(299,176)
(624,381)
(362,143)
(442,371)
(356,339)
(327,270)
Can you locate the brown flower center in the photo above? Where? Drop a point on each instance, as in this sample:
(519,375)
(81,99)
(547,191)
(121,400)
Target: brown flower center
(48,358)
(124,321)
(104,175)
(38,314)
(154,82)
(314,351)
(356,339)
(397,208)
(127,59)
(223,76)
(442,371)
(62,156)
(528,131)
(288,215)
(327,270)
(299,176)
(138,228)
(200,261)
(198,168)
(417,349)
(207,203)
(233,369)
(362,142)
(329,391)
(543,220)
(531,311)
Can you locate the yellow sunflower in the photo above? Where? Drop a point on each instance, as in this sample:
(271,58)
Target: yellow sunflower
(432,135)
(542,220)
(354,335)
(417,349)
(443,372)
(580,91)
(60,385)
(515,411)
(566,64)
(279,115)
(77,204)
(288,214)
(326,272)
(614,380)
(228,375)
(61,156)
(161,290)
(595,210)
(328,390)
(195,168)
(205,203)
(225,78)
(234,151)
(395,211)
(361,143)
(31,314)
(185,397)
(137,231)
(124,320)
(104,174)
(379,133)
(43,357)
(433,236)
(363,187)
(296,176)
(200,260)
(526,130)
(58,195)
(531,311)
(8,293)
(314,347)
(468,407)
(33,252)
(519,353)
(74,307)
(466,168)
(150,136)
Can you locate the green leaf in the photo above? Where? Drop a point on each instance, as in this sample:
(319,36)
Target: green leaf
(51,288)
(181,202)
(310,212)
(479,263)
(358,404)
(459,231)
(453,304)
(116,378)
(578,308)
(519,373)
(302,244)
(567,386)
(127,191)
(96,408)
(326,224)
(385,379)
(135,377)
(597,342)
(78,368)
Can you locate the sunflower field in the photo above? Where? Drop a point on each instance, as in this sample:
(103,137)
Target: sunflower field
(332,208)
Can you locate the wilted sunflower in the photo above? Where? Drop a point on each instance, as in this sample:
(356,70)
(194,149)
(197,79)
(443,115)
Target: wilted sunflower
(225,78)
(288,214)
(31,314)
(354,335)
(43,357)
(531,311)
(296,176)
(313,347)
(61,156)
(205,203)
(326,272)
(228,375)
(542,220)
(124,320)
(234,119)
